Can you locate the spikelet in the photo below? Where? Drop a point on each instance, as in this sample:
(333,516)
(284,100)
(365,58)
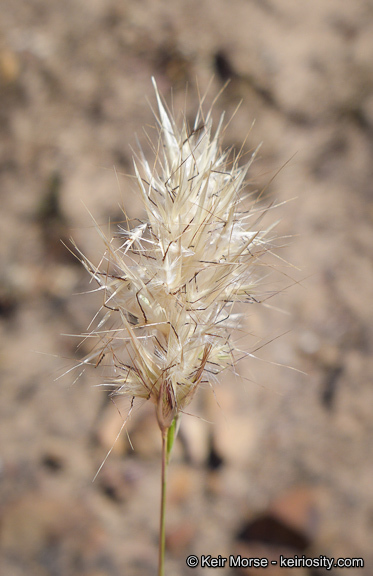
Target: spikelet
(172,283)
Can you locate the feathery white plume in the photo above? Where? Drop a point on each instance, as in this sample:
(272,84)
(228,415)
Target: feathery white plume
(171,285)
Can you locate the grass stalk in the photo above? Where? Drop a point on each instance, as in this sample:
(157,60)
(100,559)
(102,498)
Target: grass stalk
(162,523)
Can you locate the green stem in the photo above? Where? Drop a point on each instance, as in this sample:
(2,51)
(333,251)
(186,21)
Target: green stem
(168,436)
(162,530)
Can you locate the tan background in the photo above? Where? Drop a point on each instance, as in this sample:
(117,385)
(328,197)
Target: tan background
(294,450)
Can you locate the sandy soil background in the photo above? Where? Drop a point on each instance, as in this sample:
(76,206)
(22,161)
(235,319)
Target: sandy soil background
(285,466)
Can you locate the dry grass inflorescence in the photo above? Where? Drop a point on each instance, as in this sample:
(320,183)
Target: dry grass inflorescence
(172,283)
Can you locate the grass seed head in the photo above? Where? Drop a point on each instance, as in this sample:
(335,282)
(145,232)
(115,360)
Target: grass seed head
(172,283)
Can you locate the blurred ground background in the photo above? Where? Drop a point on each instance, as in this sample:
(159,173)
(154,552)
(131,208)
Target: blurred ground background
(286,464)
